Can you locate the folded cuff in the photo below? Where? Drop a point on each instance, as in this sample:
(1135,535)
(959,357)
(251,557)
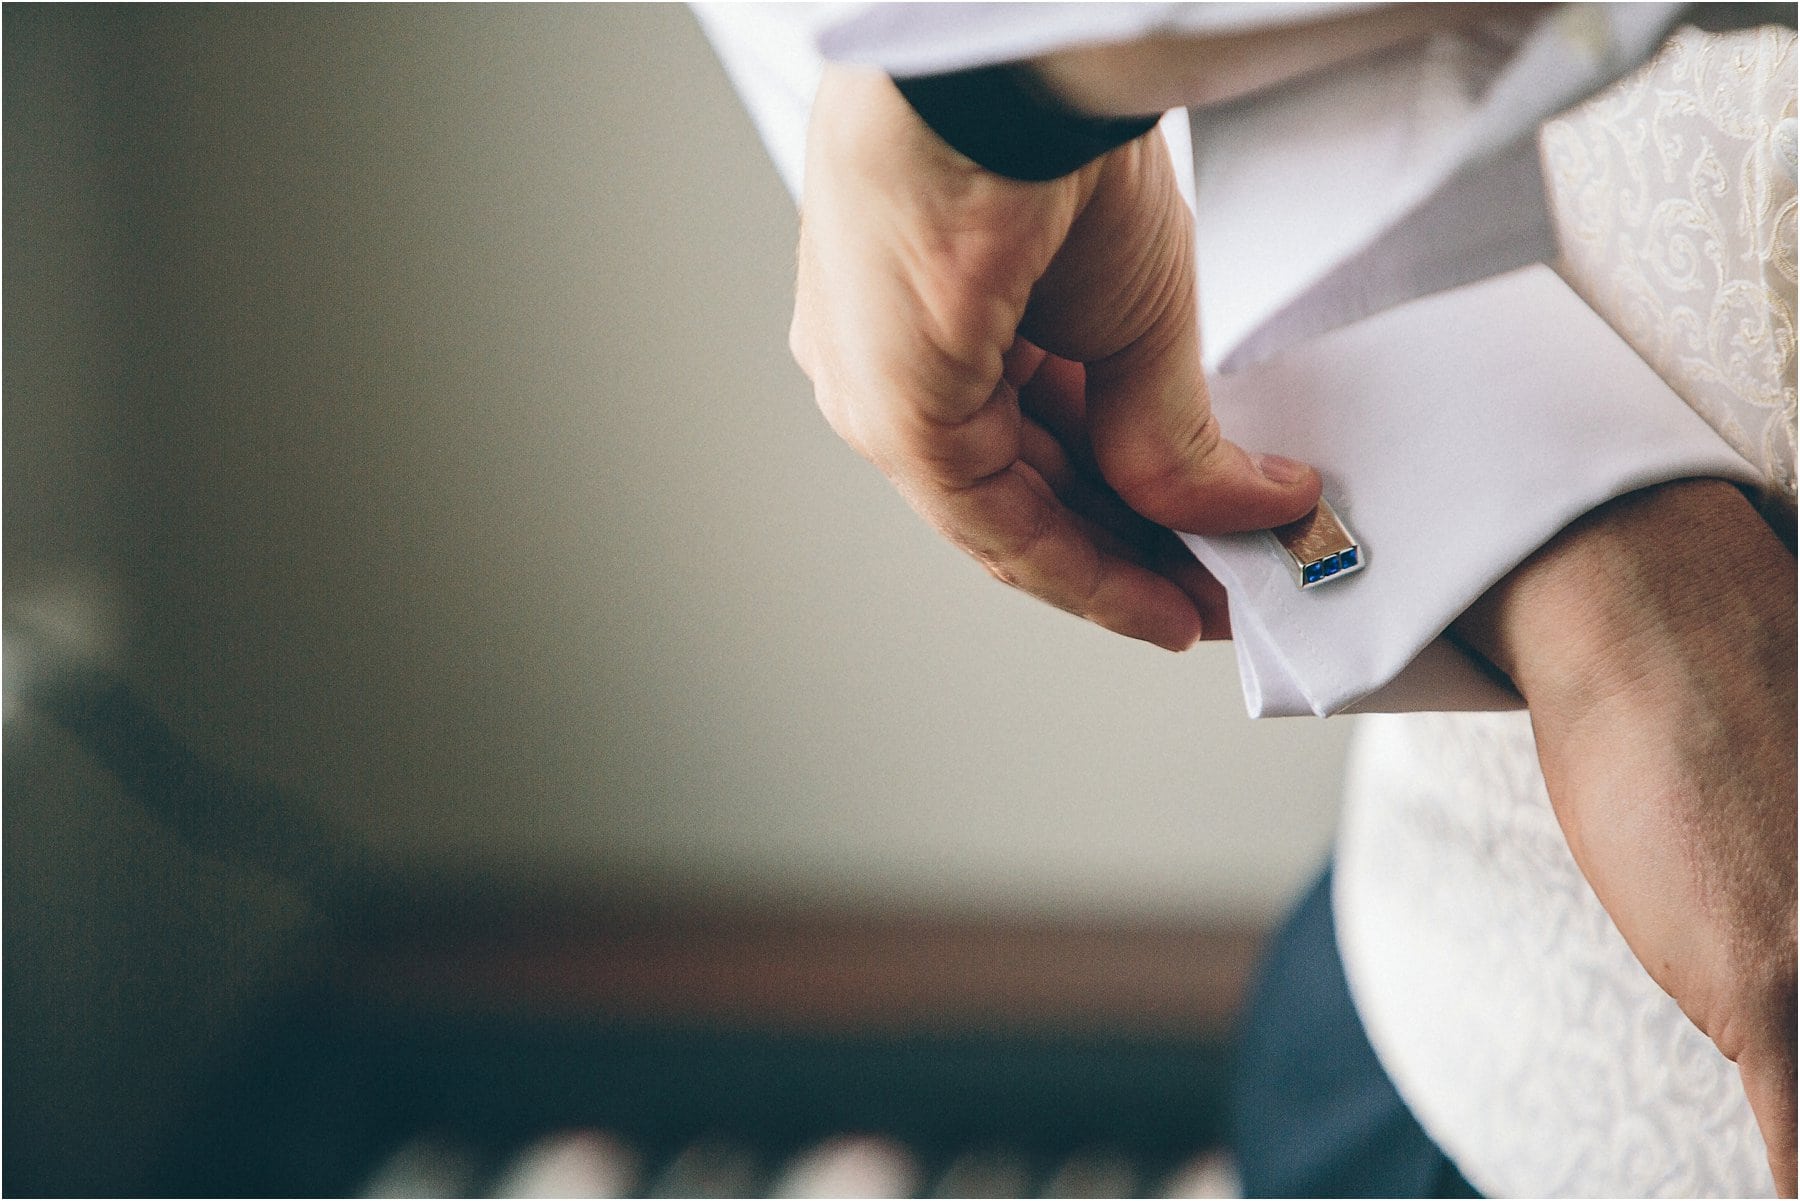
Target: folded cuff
(1456,434)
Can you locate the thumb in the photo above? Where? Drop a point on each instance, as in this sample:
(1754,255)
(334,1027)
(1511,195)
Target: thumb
(1160,447)
(1150,416)
(1120,297)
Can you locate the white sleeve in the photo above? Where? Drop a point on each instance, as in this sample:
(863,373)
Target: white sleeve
(1456,434)
(775,53)
(925,39)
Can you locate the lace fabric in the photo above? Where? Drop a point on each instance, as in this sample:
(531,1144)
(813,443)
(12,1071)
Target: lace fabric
(1673,197)
(1505,1004)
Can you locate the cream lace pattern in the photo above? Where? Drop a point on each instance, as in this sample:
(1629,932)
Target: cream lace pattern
(1673,198)
(1499,995)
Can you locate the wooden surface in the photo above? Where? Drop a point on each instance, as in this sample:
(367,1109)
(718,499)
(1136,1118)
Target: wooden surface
(795,969)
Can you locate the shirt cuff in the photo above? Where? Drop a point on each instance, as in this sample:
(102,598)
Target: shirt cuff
(1456,434)
(1003,118)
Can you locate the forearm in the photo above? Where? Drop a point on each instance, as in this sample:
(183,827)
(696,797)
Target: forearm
(1642,594)
(1654,641)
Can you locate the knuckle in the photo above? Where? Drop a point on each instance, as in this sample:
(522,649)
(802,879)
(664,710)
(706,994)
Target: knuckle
(1011,556)
(1025,545)
(1156,478)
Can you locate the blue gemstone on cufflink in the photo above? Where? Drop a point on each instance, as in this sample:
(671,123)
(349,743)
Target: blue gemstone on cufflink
(1317,548)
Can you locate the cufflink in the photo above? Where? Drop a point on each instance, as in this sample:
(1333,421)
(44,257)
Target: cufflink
(1318,547)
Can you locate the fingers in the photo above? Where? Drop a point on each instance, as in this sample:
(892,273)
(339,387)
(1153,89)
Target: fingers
(1014,525)
(1028,504)
(1175,561)
(1056,445)
(1055,396)
(1121,298)
(1003,489)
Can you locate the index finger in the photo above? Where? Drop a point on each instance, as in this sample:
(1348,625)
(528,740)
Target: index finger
(972,481)
(1014,525)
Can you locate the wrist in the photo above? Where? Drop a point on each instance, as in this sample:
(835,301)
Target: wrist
(1633,597)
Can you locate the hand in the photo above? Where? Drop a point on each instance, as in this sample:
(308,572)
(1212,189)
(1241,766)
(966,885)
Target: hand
(1654,642)
(1022,360)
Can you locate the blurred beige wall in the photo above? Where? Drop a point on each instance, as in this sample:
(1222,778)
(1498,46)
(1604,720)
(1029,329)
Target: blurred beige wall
(398,398)
(469,490)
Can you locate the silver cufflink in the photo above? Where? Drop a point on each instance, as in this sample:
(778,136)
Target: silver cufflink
(1319,547)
